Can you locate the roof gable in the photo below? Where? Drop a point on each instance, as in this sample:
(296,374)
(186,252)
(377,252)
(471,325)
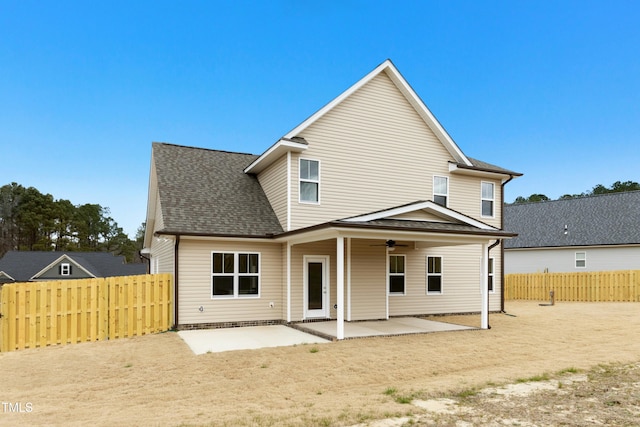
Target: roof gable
(420,208)
(46,271)
(609,219)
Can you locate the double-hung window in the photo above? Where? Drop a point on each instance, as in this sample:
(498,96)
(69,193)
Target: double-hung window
(440,190)
(581,259)
(309,181)
(396,274)
(235,274)
(434,275)
(488,199)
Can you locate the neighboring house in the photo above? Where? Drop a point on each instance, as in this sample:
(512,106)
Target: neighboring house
(366,210)
(32,266)
(594,233)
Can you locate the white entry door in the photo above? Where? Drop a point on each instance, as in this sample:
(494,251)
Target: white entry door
(316,286)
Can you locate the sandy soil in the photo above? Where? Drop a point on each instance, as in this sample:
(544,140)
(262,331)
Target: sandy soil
(157,380)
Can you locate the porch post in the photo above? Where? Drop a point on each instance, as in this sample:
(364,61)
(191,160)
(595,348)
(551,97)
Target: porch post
(484,287)
(348,279)
(288,282)
(340,286)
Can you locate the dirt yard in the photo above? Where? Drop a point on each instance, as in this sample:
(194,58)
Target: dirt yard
(157,380)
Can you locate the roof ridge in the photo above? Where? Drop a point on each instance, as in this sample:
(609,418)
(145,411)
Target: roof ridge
(202,148)
(590,196)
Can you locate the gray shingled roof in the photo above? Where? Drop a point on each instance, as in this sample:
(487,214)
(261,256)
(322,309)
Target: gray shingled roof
(411,225)
(23,265)
(610,219)
(479,164)
(206,192)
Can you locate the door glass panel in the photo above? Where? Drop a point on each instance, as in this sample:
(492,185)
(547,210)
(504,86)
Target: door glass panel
(314,280)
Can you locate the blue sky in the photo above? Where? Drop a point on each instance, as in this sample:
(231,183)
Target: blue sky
(547,88)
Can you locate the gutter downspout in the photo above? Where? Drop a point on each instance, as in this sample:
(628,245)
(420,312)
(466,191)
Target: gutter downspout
(497,242)
(502,246)
(175,282)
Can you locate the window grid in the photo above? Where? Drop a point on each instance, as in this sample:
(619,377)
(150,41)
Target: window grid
(235,274)
(396,274)
(487,199)
(581,259)
(309,174)
(491,275)
(441,190)
(434,275)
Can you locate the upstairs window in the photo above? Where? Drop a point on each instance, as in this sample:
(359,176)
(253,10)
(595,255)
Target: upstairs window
(434,275)
(441,190)
(581,259)
(487,199)
(309,181)
(235,274)
(396,274)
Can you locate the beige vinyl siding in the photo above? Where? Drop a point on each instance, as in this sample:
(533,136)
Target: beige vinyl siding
(460,282)
(195,283)
(375,152)
(466,197)
(419,216)
(274,183)
(368,280)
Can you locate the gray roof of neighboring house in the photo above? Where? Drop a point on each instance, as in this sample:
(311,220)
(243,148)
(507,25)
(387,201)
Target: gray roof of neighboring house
(23,265)
(206,192)
(609,219)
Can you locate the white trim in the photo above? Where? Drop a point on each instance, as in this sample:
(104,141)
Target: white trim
(2,273)
(340,287)
(326,299)
(404,273)
(428,206)
(273,153)
(289,191)
(236,275)
(492,200)
(427,275)
(484,310)
(413,99)
(348,279)
(60,259)
(288,282)
(492,274)
(300,180)
(65,269)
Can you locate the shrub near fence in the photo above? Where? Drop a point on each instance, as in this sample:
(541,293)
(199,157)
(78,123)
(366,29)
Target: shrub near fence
(38,314)
(601,286)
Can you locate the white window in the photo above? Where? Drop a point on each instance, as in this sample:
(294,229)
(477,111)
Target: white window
(309,181)
(65,269)
(434,275)
(235,274)
(441,190)
(396,274)
(581,259)
(490,278)
(487,199)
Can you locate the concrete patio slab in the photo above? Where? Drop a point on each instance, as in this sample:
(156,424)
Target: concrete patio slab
(393,326)
(251,337)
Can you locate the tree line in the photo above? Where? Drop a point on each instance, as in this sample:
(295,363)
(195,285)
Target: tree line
(616,187)
(32,221)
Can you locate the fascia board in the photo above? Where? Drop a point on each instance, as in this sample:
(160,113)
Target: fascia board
(152,199)
(273,153)
(2,273)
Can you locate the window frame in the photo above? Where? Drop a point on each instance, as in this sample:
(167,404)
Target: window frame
(237,274)
(403,274)
(491,269)
(308,180)
(445,195)
(584,260)
(492,199)
(65,269)
(439,274)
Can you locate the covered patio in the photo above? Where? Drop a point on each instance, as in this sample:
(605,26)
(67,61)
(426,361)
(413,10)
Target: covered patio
(376,328)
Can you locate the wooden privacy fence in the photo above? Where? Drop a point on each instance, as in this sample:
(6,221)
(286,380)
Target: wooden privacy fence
(599,286)
(38,314)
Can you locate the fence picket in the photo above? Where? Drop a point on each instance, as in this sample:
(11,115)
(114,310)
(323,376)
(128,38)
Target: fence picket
(72,311)
(622,285)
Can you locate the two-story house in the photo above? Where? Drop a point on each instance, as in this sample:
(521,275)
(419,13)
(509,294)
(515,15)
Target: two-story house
(366,210)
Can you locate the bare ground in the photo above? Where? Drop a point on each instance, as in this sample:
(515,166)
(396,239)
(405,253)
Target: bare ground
(157,380)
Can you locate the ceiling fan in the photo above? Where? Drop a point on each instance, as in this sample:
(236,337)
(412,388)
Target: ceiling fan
(391,244)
